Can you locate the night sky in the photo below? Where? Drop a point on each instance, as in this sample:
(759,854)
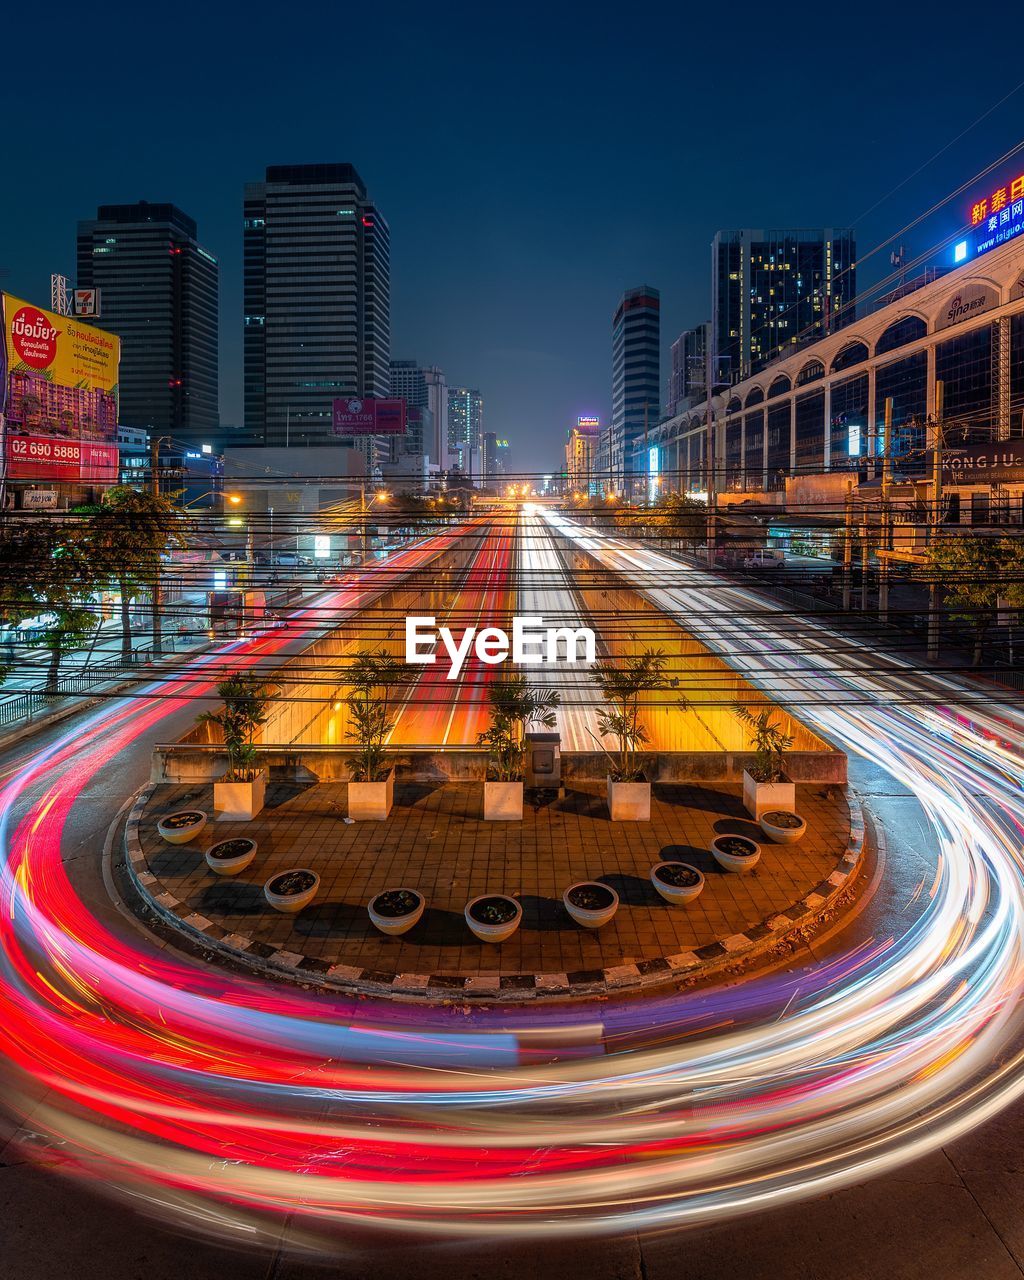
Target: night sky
(532,159)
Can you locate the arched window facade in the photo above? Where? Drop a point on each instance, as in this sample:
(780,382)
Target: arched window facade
(909,329)
(779,387)
(754,396)
(855,353)
(811,372)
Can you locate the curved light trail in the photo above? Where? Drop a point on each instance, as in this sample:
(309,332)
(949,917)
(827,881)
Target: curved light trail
(228,1103)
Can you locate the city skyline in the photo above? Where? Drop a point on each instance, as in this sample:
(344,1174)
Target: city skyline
(511,262)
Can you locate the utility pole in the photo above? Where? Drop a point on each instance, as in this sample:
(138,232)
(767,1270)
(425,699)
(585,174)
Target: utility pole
(935,521)
(154,470)
(883,560)
(709,389)
(847,545)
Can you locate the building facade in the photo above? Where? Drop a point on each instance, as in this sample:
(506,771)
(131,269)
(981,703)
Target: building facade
(581,461)
(317,303)
(833,412)
(424,387)
(159,292)
(688,372)
(774,290)
(466,428)
(636,380)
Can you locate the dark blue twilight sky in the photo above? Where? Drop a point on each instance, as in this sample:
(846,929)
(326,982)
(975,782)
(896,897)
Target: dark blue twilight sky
(532,159)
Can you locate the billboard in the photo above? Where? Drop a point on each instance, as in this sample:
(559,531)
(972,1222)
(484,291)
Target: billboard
(87,303)
(369,417)
(588,425)
(998,461)
(59,396)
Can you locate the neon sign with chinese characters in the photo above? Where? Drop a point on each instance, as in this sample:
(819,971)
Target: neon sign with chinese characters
(995,219)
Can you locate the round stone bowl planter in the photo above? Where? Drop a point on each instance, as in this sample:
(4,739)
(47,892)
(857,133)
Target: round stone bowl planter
(182,826)
(228,857)
(590,903)
(395,911)
(735,853)
(493,917)
(290,891)
(677,882)
(782,825)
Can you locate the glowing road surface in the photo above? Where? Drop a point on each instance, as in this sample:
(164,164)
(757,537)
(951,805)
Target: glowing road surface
(228,1104)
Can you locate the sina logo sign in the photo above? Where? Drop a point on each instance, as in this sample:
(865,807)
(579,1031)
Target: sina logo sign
(530,645)
(962,307)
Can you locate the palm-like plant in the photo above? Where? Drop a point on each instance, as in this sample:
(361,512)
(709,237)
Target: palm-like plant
(623,686)
(245,697)
(515,706)
(768,741)
(374,678)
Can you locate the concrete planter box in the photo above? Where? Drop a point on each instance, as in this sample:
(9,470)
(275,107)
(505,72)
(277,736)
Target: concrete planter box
(503,801)
(629,801)
(782,825)
(759,796)
(371,801)
(591,917)
(730,860)
(290,903)
(394,926)
(182,826)
(232,860)
(239,801)
(500,932)
(677,895)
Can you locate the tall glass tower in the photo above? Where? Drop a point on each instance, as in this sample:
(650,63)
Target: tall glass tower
(636,380)
(317,301)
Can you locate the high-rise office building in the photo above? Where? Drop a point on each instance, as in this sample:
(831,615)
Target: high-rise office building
(158,291)
(317,302)
(688,374)
(424,387)
(774,290)
(636,379)
(466,427)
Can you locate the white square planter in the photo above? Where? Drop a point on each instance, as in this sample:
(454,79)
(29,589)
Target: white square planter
(371,801)
(503,801)
(629,801)
(759,797)
(239,801)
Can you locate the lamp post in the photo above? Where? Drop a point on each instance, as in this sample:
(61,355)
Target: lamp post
(154,466)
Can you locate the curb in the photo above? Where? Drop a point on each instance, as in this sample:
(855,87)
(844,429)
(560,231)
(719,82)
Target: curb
(683,968)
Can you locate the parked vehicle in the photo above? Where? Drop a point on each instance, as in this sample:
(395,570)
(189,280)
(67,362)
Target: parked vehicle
(764,560)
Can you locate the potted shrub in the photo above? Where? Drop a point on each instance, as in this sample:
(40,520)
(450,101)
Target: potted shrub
(181,827)
(629,792)
(677,882)
(515,706)
(591,903)
(290,891)
(238,795)
(765,785)
(782,825)
(374,677)
(493,917)
(395,911)
(735,853)
(228,857)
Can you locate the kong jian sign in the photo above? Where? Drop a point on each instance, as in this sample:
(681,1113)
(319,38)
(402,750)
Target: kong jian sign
(58,391)
(1000,460)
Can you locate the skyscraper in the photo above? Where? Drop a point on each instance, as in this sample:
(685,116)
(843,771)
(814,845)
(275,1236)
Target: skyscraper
(317,300)
(773,290)
(688,373)
(158,290)
(636,379)
(425,388)
(466,427)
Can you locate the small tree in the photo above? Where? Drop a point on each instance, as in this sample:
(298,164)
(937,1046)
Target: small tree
(681,520)
(515,706)
(768,741)
(245,697)
(975,574)
(624,686)
(374,678)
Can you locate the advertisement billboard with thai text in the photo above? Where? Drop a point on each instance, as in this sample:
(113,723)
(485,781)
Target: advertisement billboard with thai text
(369,417)
(59,396)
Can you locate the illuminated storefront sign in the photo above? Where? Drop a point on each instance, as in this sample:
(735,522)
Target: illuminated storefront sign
(588,425)
(995,218)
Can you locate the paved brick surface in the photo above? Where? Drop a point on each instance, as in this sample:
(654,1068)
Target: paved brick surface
(436,842)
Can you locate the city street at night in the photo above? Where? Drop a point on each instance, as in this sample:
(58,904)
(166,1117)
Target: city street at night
(511,688)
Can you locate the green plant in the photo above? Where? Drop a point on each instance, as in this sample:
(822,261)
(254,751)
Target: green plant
(623,686)
(245,697)
(976,575)
(373,679)
(515,706)
(768,741)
